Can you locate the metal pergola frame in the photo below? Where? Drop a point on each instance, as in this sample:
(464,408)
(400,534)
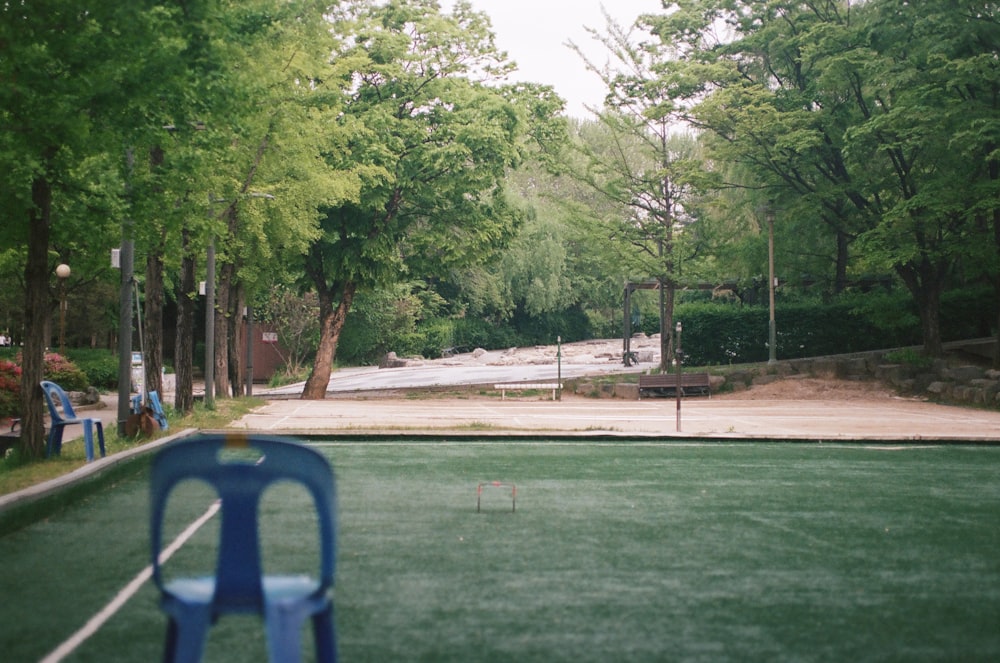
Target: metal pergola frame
(628,357)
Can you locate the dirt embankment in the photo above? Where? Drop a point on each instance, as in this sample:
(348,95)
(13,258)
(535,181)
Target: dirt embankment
(814,389)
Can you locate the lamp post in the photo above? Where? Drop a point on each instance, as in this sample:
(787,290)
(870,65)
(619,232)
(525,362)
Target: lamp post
(772,335)
(678,360)
(62,271)
(559,365)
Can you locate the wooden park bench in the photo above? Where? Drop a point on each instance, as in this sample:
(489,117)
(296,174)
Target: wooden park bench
(527,386)
(665,384)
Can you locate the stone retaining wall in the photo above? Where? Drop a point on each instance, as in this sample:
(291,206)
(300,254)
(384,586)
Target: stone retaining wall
(947,381)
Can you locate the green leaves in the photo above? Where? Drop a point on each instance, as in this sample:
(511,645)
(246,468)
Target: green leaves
(429,143)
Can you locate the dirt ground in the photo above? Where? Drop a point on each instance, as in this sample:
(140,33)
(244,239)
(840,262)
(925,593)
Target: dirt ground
(815,389)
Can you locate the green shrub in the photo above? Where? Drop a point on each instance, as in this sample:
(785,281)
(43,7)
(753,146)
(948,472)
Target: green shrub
(716,333)
(474,333)
(284,376)
(64,372)
(100,366)
(437,336)
(910,357)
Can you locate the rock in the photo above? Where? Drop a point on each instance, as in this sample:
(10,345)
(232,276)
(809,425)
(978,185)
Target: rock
(627,390)
(940,388)
(391,361)
(92,397)
(824,368)
(894,374)
(989,388)
(964,373)
(854,367)
(89,397)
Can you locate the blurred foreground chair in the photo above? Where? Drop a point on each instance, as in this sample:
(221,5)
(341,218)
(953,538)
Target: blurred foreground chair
(240,468)
(56,398)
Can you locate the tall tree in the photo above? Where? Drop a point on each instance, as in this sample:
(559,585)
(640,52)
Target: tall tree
(429,144)
(276,180)
(245,86)
(843,109)
(640,164)
(65,76)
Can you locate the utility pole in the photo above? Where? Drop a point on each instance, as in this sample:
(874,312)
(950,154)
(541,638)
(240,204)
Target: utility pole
(772,334)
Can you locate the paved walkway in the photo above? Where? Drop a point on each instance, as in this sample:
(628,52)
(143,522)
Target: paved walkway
(346,411)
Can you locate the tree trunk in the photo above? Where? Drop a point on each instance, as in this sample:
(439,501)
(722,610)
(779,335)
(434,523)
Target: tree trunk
(840,269)
(667,296)
(36,312)
(930,323)
(237,368)
(331,322)
(994,173)
(222,332)
(227,315)
(925,281)
(152,328)
(184,343)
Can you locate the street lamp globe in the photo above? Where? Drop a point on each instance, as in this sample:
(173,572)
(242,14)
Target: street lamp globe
(62,271)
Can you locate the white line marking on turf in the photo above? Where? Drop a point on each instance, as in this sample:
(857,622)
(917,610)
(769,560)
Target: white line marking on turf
(127,592)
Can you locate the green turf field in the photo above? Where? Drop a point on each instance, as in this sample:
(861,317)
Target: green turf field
(626,551)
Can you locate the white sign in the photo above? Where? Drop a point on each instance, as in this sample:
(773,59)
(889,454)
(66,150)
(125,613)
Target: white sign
(269,337)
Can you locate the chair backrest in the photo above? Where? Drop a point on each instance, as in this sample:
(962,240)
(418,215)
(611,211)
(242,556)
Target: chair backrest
(55,397)
(240,482)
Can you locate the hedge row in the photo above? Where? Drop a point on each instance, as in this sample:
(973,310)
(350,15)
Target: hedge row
(718,334)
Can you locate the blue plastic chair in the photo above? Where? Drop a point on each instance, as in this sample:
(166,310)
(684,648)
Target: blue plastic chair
(55,397)
(239,585)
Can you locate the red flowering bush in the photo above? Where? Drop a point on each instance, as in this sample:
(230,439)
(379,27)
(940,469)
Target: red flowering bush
(58,369)
(10,389)
(65,373)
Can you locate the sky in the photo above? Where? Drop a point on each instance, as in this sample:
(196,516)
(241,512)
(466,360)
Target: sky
(534,34)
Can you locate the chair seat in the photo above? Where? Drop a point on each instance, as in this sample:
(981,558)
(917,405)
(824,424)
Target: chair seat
(277,589)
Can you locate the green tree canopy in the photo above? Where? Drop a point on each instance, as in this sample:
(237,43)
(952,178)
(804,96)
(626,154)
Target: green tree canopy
(430,143)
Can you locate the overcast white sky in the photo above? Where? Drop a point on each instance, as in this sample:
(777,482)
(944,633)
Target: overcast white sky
(534,33)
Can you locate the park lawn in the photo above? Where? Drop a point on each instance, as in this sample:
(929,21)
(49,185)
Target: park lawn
(627,550)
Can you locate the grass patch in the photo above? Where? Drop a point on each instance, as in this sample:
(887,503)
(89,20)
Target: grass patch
(646,552)
(16,473)
(478,425)
(625,550)
(909,357)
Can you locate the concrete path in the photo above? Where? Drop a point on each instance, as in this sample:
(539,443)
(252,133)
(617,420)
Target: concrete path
(350,409)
